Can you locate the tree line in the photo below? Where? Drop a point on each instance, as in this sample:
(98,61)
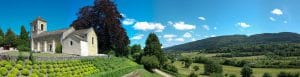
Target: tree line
(11,39)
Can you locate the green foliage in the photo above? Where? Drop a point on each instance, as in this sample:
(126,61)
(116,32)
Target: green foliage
(212,67)
(267,74)
(153,48)
(19,66)
(10,38)
(3,71)
(216,75)
(25,72)
(196,68)
(136,49)
(232,75)
(170,67)
(33,75)
(288,74)
(193,74)
(187,62)
(246,71)
(150,62)
(58,48)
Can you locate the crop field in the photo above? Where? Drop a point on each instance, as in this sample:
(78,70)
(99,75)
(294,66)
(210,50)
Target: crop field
(76,68)
(257,72)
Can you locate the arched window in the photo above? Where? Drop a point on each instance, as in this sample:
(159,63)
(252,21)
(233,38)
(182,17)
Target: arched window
(71,43)
(92,40)
(42,27)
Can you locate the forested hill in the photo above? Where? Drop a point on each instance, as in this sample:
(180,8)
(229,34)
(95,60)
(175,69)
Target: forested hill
(229,42)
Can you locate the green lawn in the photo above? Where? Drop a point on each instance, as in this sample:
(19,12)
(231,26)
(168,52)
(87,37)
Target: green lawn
(257,72)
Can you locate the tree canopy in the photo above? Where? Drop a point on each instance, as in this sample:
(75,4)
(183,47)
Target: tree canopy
(104,17)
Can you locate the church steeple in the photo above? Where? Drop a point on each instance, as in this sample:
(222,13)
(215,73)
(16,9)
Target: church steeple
(38,25)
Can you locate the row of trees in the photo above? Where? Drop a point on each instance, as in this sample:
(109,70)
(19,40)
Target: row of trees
(10,39)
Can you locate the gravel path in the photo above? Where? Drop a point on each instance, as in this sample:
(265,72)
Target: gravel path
(162,73)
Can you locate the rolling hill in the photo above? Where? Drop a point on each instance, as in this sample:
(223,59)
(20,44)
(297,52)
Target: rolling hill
(239,41)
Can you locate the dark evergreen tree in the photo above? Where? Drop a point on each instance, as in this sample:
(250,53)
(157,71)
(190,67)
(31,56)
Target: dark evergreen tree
(23,42)
(105,19)
(1,37)
(136,49)
(153,47)
(10,38)
(246,71)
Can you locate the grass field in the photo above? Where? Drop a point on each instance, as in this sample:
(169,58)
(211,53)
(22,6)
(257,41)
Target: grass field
(142,73)
(257,72)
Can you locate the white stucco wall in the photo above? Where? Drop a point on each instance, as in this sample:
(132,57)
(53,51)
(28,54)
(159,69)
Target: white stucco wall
(84,48)
(71,49)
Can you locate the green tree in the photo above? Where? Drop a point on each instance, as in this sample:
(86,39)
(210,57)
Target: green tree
(150,62)
(104,17)
(246,71)
(153,47)
(1,37)
(267,74)
(196,68)
(212,67)
(187,62)
(23,43)
(136,49)
(10,38)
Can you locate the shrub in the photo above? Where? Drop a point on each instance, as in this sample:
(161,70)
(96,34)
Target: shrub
(170,67)
(25,72)
(3,71)
(58,48)
(196,68)
(44,71)
(289,74)
(150,62)
(34,75)
(35,66)
(20,62)
(28,62)
(51,70)
(267,74)
(212,67)
(27,66)
(14,71)
(19,66)
(12,75)
(246,71)
(232,75)
(23,48)
(193,75)
(8,66)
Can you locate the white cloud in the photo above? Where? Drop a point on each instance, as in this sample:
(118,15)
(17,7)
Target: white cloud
(202,18)
(272,19)
(138,37)
(157,27)
(206,27)
(212,35)
(277,11)
(243,24)
(123,15)
(170,22)
(128,21)
(169,37)
(187,35)
(179,39)
(215,28)
(193,39)
(182,26)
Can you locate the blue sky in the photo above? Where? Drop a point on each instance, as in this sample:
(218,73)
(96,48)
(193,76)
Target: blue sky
(174,21)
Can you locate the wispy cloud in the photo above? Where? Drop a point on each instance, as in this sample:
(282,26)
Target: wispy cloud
(272,19)
(206,27)
(179,39)
(169,37)
(128,21)
(182,26)
(157,27)
(138,37)
(187,35)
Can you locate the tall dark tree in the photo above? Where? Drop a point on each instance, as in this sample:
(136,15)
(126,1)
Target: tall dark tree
(1,37)
(246,71)
(23,42)
(136,49)
(10,38)
(106,20)
(153,47)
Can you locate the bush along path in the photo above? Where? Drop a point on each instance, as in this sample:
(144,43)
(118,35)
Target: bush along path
(97,67)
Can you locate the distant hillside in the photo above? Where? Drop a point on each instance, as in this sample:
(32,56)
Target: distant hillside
(242,41)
